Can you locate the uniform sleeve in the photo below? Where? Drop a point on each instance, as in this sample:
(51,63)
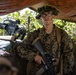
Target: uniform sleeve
(26,50)
(67,50)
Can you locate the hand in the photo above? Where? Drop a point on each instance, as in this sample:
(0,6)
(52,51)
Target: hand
(39,59)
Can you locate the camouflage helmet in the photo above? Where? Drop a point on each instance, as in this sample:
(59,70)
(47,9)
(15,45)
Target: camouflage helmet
(46,8)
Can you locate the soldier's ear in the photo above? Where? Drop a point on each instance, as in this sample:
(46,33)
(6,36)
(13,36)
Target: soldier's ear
(53,15)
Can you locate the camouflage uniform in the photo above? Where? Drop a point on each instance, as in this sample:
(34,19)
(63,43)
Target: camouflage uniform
(50,44)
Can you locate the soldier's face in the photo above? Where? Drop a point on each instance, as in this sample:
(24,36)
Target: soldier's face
(47,17)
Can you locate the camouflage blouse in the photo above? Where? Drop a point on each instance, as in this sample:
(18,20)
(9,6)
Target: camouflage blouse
(50,44)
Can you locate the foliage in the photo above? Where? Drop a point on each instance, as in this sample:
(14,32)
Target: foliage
(27,18)
(2,32)
(69,27)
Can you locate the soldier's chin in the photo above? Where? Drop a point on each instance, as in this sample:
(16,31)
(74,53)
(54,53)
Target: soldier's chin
(47,22)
